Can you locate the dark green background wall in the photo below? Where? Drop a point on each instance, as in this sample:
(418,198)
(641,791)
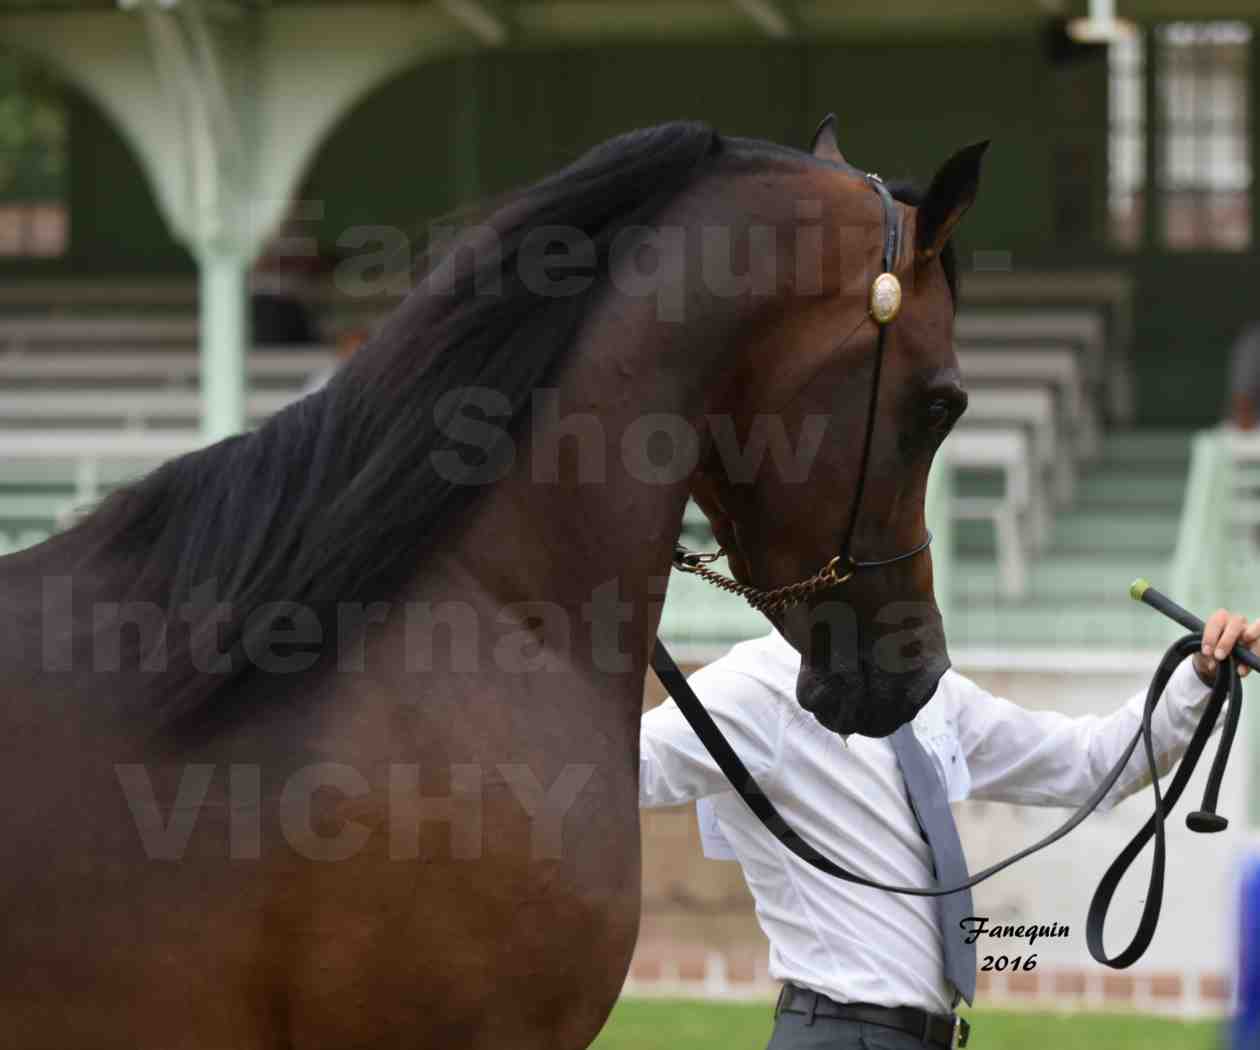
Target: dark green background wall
(441,135)
(114,223)
(437,136)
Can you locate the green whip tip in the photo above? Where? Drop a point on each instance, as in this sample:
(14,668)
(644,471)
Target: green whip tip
(1138,588)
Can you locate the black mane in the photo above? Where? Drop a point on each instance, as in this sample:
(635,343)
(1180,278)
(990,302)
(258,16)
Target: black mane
(334,498)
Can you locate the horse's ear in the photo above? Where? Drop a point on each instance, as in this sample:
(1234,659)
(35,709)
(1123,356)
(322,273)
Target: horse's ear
(952,192)
(824,144)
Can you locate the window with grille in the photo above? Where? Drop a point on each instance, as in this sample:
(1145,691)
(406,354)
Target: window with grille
(1201,187)
(1205,146)
(1126,169)
(33,148)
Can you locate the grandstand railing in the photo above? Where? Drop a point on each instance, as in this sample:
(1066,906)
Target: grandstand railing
(940,519)
(1217,560)
(1199,569)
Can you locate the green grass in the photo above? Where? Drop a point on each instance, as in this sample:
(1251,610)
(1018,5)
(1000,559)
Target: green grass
(652,1024)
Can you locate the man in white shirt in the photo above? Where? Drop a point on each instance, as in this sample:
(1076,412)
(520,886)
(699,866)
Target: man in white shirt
(836,945)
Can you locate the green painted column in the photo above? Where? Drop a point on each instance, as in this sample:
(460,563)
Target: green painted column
(225,105)
(225,339)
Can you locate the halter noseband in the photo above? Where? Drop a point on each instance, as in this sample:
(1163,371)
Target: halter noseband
(883,307)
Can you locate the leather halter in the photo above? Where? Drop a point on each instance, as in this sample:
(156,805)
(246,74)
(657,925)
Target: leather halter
(883,306)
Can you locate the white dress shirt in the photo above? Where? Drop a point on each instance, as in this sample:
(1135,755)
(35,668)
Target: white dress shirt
(848,799)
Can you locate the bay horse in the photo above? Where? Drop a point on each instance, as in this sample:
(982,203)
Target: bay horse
(326,735)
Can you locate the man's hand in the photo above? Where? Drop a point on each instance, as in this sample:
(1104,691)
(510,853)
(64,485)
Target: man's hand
(1223,631)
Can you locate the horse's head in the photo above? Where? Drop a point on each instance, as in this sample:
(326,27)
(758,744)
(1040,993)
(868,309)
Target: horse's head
(864,406)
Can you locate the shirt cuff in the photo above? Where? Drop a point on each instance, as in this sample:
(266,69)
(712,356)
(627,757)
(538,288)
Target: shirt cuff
(1185,690)
(1185,697)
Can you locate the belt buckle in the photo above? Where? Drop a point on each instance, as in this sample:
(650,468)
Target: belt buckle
(961,1033)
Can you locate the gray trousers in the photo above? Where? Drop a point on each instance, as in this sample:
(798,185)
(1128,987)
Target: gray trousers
(794,1032)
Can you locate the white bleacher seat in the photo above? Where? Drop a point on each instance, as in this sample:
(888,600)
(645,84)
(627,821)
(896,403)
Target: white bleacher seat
(1110,290)
(1006,451)
(1035,410)
(82,454)
(71,296)
(31,507)
(1084,330)
(55,509)
(1051,367)
(84,334)
(133,408)
(103,444)
(292,367)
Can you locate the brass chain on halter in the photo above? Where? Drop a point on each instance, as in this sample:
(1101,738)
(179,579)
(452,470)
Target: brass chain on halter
(763,601)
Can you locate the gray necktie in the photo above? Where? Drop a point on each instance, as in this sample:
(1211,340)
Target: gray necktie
(931,809)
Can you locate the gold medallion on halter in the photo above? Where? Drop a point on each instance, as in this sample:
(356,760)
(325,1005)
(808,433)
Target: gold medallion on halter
(885,298)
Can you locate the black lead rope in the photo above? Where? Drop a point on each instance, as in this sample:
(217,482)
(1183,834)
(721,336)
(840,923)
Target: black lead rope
(1227,686)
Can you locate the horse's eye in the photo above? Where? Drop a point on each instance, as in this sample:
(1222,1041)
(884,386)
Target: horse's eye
(940,415)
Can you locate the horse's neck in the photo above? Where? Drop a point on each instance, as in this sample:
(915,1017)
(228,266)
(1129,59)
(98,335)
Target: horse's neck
(579,531)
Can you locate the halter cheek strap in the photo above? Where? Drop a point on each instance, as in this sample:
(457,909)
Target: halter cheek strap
(885,304)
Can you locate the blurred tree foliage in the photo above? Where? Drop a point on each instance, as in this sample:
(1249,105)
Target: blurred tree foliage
(33,139)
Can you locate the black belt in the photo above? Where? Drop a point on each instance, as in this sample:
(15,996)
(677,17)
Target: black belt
(945,1031)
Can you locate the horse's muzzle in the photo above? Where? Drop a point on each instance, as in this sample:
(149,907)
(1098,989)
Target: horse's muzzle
(862,697)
